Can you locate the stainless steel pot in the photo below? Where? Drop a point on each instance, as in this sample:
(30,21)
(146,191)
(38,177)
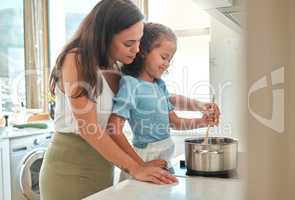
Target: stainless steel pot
(218,156)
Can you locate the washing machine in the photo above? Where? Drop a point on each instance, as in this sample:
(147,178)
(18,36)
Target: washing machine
(26,156)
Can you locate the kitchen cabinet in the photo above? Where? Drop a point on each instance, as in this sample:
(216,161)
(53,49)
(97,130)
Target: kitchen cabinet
(227,77)
(210,4)
(5,189)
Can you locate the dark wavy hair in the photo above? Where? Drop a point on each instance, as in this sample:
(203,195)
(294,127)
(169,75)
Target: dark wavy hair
(92,41)
(153,35)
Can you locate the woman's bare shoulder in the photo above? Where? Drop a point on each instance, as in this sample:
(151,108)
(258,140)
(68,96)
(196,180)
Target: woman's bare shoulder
(69,70)
(69,66)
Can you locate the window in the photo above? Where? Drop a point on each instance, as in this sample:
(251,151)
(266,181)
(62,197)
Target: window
(12,77)
(171,13)
(64,19)
(189,72)
(23,61)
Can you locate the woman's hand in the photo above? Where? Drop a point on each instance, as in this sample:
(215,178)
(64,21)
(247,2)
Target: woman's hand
(153,174)
(157,163)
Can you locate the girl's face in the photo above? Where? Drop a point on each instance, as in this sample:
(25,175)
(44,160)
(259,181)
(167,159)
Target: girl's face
(125,44)
(157,61)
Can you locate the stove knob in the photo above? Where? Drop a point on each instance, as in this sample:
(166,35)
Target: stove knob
(182,164)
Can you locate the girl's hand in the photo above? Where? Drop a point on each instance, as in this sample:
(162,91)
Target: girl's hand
(211,113)
(157,163)
(153,174)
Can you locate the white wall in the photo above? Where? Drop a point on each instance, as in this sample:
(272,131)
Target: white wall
(228,78)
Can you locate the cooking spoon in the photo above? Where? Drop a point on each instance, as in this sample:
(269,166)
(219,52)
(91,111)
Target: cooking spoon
(208,128)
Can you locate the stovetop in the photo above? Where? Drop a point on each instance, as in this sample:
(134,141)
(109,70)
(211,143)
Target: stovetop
(181,171)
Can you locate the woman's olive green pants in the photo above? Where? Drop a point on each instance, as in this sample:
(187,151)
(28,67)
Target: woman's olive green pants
(72,170)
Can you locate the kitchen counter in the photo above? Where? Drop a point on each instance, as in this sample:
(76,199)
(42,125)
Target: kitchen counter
(10,132)
(189,188)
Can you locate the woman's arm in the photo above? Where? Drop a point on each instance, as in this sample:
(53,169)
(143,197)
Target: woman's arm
(115,130)
(84,111)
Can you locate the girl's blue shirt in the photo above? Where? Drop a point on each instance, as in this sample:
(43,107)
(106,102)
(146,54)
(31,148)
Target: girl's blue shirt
(146,106)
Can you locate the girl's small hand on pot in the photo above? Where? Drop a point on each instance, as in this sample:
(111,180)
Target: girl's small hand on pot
(157,163)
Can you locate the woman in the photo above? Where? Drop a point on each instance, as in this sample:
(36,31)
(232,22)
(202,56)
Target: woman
(78,160)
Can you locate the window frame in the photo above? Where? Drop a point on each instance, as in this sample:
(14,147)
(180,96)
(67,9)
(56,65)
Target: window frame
(36,59)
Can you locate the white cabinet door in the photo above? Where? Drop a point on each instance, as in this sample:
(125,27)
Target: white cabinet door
(1,172)
(5,191)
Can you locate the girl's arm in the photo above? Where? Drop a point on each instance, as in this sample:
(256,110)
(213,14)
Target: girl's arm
(115,130)
(187,124)
(84,111)
(184,103)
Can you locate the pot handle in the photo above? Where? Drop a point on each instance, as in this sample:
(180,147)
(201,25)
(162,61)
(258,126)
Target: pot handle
(207,151)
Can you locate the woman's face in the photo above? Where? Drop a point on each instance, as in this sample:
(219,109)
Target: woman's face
(125,44)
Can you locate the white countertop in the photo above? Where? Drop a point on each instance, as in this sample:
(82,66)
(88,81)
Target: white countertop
(189,188)
(10,132)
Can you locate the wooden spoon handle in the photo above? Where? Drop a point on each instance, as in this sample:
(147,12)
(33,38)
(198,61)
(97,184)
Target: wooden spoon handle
(207,134)
(208,128)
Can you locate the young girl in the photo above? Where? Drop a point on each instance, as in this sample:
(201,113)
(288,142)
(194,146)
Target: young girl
(143,100)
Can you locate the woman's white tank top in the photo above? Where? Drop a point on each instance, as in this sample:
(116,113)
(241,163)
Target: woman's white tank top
(64,120)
